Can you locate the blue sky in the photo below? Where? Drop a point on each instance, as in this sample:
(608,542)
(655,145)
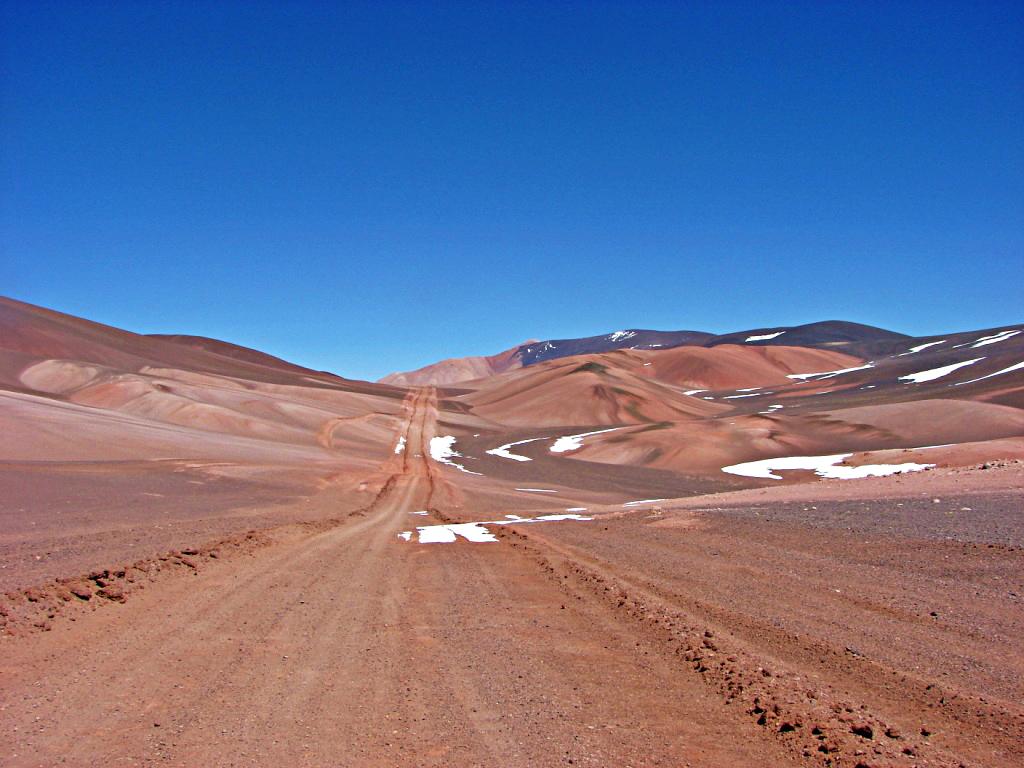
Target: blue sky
(371,187)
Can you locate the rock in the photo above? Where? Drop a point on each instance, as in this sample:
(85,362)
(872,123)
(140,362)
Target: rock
(34,595)
(862,729)
(112,592)
(80,590)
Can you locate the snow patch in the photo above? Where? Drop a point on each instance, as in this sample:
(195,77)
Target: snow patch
(995,338)
(1014,367)
(823,466)
(477,532)
(574,442)
(937,373)
(401,444)
(504,452)
(642,501)
(692,392)
(442,450)
(829,374)
(536,490)
(621,335)
(919,347)
(764,336)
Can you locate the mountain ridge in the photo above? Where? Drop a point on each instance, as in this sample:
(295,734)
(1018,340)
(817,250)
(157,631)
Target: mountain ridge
(857,339)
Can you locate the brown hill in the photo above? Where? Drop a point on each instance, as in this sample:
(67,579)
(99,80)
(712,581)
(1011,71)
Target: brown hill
(74,389)
(587,390)
(456,370)
(730,366)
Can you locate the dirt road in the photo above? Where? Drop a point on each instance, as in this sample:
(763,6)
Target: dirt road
(351,647)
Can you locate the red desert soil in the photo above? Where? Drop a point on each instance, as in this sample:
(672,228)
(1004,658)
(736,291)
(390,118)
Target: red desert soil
(212,557)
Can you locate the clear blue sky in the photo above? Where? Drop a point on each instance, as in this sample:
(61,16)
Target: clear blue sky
(371,187)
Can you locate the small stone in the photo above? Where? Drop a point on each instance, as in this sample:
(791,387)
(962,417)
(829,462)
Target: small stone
(112,592)
(864,730)
(80,590)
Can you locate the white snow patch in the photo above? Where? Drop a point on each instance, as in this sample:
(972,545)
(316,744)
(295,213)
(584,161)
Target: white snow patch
(995,338)
(469,531)
(829,374)
(919,347)
(436,534)
(503,450)
(576,509)
(642,501)
(621,335)
(536,490)
(823,466)
(1014,367)
(937,373)
(401,444)
(755,394)
(749,389)
(764,336)
(420,512)
(442,450)
(692,392)
(574,442)
(477,532)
